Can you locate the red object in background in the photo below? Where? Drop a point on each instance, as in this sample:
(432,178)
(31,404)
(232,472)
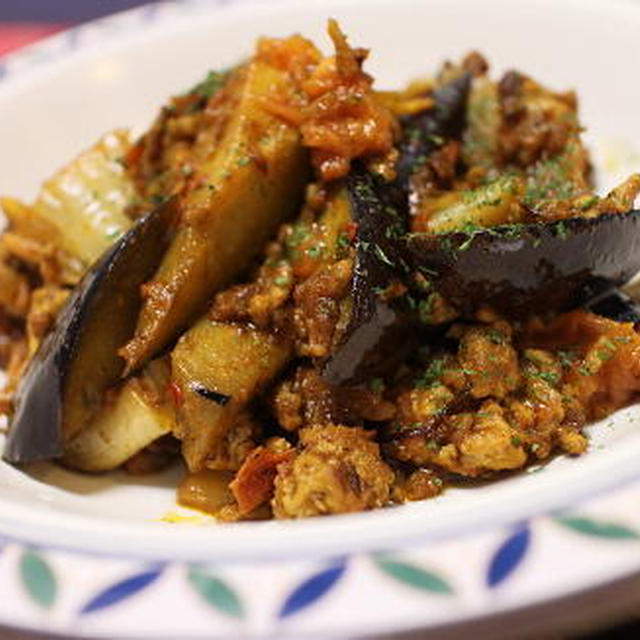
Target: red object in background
(17,34)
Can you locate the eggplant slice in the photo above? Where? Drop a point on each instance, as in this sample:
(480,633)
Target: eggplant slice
(526,268)
(375,335)
(428,130)
(63,385)
(373,321)
(617,306)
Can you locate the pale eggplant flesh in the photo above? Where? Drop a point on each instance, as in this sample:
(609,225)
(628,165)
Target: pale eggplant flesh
(63,385)
(530,268)
(375,335)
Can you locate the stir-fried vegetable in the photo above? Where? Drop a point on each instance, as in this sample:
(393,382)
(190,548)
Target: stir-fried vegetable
(331,297)
(252,182)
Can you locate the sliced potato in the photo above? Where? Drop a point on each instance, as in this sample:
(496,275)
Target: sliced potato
(139,415)
(489,205)
(15,292)
(251,184)
(234,363)
(217,368)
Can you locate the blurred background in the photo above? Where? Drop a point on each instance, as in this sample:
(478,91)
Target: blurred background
(24,21)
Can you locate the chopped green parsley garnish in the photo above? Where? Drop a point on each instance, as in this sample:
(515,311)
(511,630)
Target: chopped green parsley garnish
(282,281)
(560,230)
(343,240)
(212,83)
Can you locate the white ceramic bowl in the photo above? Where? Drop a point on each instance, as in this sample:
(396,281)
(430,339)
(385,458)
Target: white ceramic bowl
(58,97)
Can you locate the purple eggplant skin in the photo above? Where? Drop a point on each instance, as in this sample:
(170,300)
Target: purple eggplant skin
(425,132)
(375,336)
(530,268)
(617,306)
(77,361)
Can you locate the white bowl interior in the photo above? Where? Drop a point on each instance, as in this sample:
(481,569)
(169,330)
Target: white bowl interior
(49,114)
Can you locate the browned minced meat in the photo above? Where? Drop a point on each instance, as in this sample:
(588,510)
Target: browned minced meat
(34,280)
(488,360)
(535,121)
(337,470)
(435,175)
(420,484)
(498,403)
(601,359)
(305,399)
(265,301)
(318,309)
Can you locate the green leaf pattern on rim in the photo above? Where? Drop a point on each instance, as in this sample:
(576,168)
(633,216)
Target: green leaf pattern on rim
(37,578)
(413,576)
(598,528)
(216,592)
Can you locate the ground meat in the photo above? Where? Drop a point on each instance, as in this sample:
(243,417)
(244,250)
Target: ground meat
(420,484)
(530,406)
(338,470)
(46,302)
(488,444)
(475,444)
(536,122)
(489,361)
(433,176)
(15,291)
(417,406)
(262,301)
(571,441)
(601,359)
(305,399)
(236,443)
(538,413)
(318,310)
(15,354)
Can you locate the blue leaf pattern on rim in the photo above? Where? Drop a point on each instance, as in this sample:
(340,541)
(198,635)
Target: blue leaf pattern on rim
(509,555)
(312,589)
(121,590)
